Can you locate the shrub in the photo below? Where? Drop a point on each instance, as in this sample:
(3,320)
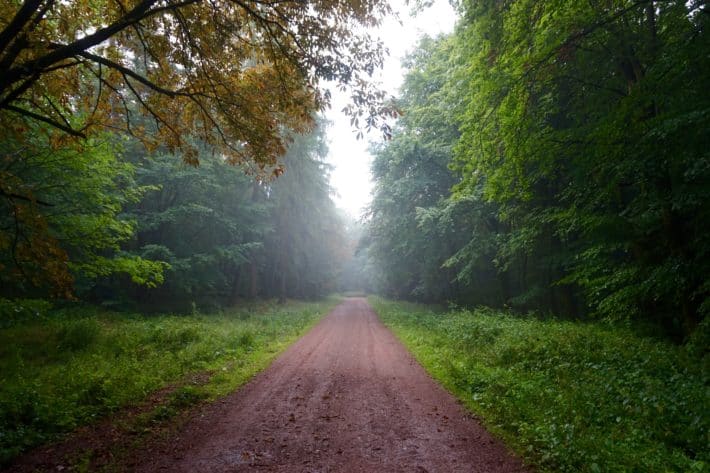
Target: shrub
(75,335)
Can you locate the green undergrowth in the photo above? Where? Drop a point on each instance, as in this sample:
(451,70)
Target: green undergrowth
(63,368)
(570,397)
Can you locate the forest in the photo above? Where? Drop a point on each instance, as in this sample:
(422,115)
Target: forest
(547,189)
(540,186)
(119,191)
(553,157)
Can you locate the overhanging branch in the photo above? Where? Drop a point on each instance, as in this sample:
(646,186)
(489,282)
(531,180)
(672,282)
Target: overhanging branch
(47,120)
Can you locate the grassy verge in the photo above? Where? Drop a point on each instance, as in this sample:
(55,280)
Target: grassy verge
(63,368)
(567,396)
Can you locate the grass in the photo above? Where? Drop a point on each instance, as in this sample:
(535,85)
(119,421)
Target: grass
(569,397)
(60,369)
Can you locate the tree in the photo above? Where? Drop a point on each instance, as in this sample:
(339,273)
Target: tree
(233,74)
(587,123)
(226,236)
(306,249)
(62,221)
(237,77)
(201,221)
(580,163)
(406,242)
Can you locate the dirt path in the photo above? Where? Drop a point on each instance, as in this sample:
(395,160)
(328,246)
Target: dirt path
(347,397)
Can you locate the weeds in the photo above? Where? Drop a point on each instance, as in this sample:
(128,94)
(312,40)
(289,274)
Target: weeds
(63,368)
(76,335)
(567,396)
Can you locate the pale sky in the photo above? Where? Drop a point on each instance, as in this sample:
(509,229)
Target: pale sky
(351,174)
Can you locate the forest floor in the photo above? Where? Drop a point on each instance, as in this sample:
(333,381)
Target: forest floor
(346,397)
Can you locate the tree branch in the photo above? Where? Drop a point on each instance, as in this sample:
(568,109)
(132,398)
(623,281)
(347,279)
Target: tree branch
(46,120)
(140,12)
(585,32)
(12,195)
(21,18)
(132,74)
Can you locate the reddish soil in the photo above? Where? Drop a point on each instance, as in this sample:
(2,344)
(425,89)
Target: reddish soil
(347,397)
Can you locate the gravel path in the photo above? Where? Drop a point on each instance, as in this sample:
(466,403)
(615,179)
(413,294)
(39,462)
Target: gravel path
(347,397)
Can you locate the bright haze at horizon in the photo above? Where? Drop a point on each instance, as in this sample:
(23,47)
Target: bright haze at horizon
(349,156)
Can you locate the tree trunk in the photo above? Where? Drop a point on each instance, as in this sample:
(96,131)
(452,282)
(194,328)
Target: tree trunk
(282,289)
(651,23)
(253,282)
(234,296)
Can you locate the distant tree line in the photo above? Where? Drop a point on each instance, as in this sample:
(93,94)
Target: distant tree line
(140,142)
(110,223)
(553,156)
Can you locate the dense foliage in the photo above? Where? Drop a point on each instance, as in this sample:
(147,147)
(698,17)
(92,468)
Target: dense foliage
(110,224)
(194,78)
(569,397)
(225,236)
(70,229)
(195,68)
(304,253)
(127,228)
(554,156)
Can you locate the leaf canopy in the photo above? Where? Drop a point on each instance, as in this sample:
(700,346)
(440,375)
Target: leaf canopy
(232,73)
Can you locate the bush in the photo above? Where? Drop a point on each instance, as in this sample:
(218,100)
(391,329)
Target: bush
(75,335)
(16,311)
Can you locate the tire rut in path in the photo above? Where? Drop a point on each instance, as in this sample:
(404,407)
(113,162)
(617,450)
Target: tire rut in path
(347,397)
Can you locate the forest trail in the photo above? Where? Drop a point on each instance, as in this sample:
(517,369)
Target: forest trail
(347,397)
